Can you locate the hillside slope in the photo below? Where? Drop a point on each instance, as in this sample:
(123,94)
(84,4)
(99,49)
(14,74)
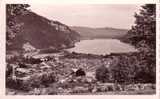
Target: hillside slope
(42,33)
(87,32)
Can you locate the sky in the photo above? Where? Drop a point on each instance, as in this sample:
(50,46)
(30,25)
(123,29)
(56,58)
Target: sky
(89,15)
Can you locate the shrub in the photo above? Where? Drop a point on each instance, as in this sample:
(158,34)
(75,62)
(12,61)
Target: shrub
(43,79)
(17,84)
(102,74)
(30,82)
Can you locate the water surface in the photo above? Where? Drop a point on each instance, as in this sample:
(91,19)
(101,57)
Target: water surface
(102,47)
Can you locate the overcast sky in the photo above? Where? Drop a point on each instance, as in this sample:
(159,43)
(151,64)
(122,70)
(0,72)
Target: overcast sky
(91,15)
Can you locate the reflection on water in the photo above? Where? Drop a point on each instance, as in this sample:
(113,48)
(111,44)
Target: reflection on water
(102,47)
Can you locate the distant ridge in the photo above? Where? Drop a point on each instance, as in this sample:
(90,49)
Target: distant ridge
(106,32)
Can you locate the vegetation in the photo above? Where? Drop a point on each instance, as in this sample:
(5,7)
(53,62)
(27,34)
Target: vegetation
(26,27)
(137,67)
(102,74)
(13,28)
(143,37)
(58,77)
(130,72)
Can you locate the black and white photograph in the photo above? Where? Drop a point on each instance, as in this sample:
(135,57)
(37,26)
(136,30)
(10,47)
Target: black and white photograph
(80,49)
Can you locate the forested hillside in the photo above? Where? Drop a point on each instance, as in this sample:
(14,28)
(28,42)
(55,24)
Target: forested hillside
(38,32)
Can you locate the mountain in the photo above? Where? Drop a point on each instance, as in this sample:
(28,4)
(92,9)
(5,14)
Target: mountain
(40,33)
(89,33)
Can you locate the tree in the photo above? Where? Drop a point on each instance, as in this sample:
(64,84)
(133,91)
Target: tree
(13,10)
(143,37)
(102,74)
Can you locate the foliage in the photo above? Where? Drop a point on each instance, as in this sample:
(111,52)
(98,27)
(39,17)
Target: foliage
(123,68)
(121,72)
(143,37)
(13,10)
(102,74)
(34,81)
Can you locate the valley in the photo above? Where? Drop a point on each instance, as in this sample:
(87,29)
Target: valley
(47,57)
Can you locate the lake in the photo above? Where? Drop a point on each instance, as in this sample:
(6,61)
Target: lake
(102,47)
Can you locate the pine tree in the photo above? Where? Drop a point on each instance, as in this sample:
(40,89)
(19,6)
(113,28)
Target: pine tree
(143,37)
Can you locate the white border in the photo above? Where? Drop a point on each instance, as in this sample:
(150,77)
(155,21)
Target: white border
(81,1)
(157,49)
(2,49)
